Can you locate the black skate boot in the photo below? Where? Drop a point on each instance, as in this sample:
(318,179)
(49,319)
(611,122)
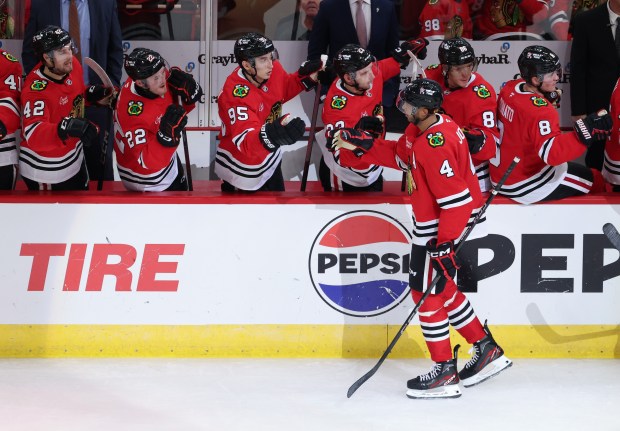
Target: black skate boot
(487,360)
(442,381)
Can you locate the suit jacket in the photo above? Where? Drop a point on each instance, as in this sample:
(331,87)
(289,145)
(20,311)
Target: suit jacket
(595,67)
(105,42)
(333,28)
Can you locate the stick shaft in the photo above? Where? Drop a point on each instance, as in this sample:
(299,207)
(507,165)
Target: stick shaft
(315,114)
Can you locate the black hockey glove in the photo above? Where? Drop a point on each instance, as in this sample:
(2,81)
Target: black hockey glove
(327,75)
(281,132)
(443,258)
(100,95)
(3,130)
(371,125)
(554,97)
(172,123)
(184,85)
(416,46)
(475,139)
(357,141)
(306,70)
(595,127)
(77,128)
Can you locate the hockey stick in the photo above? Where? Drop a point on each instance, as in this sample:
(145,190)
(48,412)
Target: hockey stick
(612,235)
(107,82)
(355,386)
(551,336)
(315,114)
(188,166)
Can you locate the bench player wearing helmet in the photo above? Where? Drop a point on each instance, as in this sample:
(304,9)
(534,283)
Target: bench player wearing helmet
(10,118)
(354,100)
(249,156)
(530,128)
(470,100)
(54,128)
(148,123)
(445,198)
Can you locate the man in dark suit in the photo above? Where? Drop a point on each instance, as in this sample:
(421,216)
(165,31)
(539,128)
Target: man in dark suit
(595,67)
(104,45)
(334,27)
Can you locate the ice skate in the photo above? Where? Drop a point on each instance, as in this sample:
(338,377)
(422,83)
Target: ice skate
(487,360)
(442,381)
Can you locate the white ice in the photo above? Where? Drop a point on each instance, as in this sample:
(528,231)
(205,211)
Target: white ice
(299,395)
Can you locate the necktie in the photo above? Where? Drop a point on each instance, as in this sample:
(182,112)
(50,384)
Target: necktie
(360,25)
(74,28)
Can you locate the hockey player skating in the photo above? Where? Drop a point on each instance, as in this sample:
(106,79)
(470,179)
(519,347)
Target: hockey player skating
(148,122)
(10,118)
(445,197)
(531,131)
(354,100)
(470,100)
(54,127)
(248,156)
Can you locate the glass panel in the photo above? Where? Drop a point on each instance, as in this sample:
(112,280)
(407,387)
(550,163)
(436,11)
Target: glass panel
(11,19)
(160,19)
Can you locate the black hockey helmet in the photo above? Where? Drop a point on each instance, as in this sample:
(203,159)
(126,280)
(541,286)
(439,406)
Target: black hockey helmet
(252,45)
(537,61)
(142,63)
(49,39)
(456,51)
(421,93)
(351,58)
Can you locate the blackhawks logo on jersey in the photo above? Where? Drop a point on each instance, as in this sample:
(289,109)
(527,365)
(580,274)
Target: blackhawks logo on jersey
(9,56)
(435,139)
(339,102)
(482,91)
(432,66)
(38,85)
(539,101)
(241,90)
(77,110)
(135,108)
(275,113)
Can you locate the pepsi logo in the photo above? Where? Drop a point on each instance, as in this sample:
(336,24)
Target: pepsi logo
(359,263)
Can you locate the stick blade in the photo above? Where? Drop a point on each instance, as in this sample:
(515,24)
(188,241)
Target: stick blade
(355,386)
(612,234)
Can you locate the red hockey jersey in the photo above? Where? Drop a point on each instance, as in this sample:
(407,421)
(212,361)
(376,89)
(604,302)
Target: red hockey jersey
(507,16)
(344,109)
(611,163)
(143,163)
(446,196)
(472,107)
(43,156)
(10,109)
(441,19)
(241,159)
(530,129)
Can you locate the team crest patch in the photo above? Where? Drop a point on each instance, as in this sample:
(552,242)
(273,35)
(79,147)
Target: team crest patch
(432,66)
(241,90)
(9,56)
(38,85)
(482,91)
(539,101)
(339,102)
(435,139)
(433,2)
(135,108)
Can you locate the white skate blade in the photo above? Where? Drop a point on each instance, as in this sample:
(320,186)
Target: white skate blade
(449,391)
(492,369)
